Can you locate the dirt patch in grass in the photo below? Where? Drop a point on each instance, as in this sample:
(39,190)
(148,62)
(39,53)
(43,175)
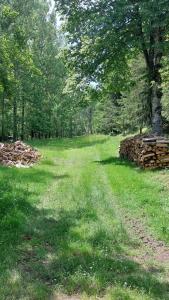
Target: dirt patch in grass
(154,249)
(64,297)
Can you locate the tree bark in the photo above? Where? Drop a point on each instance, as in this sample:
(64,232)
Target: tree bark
(156,87)
(71,127)
(32,134)
(23,120)
(14,119)
(3,118)
(156,109)
(155,95)
(153,56)
(90,118)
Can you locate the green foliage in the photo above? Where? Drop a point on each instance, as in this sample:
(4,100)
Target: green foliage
(66,83)
(127,111)
(32,74)
(105,35)
(165,76)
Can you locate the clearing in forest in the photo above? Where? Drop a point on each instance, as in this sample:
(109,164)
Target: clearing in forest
(83,224)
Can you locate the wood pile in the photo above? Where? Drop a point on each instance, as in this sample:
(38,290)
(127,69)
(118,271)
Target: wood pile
(18,155)
(147,151)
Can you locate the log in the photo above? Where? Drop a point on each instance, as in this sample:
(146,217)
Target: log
(148,152)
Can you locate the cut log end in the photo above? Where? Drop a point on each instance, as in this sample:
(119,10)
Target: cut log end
(18,155)
(148,152)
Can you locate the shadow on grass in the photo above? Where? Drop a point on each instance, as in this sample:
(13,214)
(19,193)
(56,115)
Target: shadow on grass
(113,160)
(28,176)
(67,143)
(60,260)
(40,253)
(117,161)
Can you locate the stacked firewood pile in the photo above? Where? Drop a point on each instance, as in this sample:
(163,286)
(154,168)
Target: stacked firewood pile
(18,155)
(148,152)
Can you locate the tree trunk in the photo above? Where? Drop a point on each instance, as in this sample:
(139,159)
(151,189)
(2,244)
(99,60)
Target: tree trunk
(156,94)
(71,128)
(3,117)
(141,129)
(156,109)
(32,134)
(153,57)
(14,119)
(23,120)
(156,56)
(90,118)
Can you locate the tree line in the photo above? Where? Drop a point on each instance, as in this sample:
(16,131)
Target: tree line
(105,36)
(106,70)
(33,75)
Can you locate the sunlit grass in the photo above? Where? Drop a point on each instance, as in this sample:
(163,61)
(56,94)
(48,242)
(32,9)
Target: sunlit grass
(60,230)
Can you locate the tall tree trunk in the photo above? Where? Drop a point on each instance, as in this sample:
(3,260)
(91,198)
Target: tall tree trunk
(155,95)
(3,117)
(23,120)
(15,131)
(71,127)
(149,102)
(153,57)
(90,118)
(155,60)
(32,134)
(156,109)
(156,92)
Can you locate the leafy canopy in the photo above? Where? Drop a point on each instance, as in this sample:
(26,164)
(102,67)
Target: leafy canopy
(104,34)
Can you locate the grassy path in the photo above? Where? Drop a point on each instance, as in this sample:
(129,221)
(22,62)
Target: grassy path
(85,224)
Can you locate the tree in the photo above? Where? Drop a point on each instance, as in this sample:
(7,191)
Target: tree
(127,111)
(32,75)
(15,60)
(104,34)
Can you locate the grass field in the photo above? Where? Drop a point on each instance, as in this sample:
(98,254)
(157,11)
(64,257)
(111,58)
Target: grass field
(83,224)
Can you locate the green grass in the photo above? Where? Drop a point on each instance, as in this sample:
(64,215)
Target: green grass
(60,227)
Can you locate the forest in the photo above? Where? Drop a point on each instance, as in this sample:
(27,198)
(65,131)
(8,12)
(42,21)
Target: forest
(69,70)
(84,149)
